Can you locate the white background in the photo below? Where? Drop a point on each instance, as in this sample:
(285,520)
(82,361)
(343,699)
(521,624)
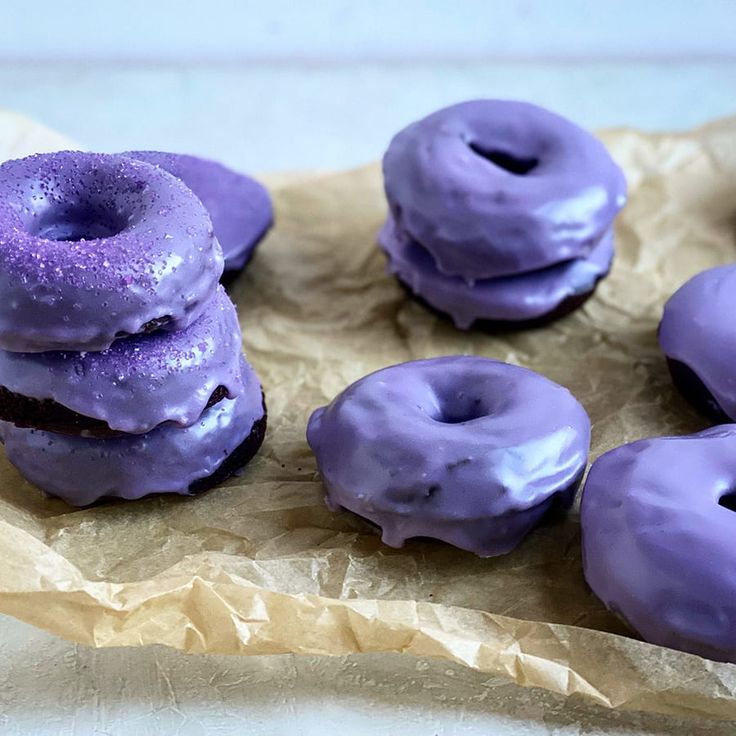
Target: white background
(302,85)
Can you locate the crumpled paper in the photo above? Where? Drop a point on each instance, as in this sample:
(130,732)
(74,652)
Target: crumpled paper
(261,566)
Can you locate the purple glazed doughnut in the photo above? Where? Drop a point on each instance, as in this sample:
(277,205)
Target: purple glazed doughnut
(535,296)
(131,387)
(239,206)
(493,188)
(169,459)
(658,527)
(94,247)
(698,335)
(463,449)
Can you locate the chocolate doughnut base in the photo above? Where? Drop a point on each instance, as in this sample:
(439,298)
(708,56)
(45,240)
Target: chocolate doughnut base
(565,307)
(50,416)
(150,326)
(688,383)
(239,457)
(229,276)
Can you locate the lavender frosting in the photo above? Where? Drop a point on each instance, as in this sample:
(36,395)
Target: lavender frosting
(698,330)
(143,381)
(467,450)
(494,187)
(658,547)
(239,206)
(94,247)
(169,459)
(509,298)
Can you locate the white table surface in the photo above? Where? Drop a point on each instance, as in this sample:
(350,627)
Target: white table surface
(49,687)
(280,116)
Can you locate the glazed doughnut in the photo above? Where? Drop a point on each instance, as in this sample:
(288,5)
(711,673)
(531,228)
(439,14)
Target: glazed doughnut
(131,387)
(169,459)
(496,188)
(467,450)
(94,247)
(239,206)
(698,337)
(529,298)
(658,527)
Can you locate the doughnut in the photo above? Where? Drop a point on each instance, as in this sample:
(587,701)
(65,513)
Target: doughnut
(526,299)
(134,385)
(239,206)
(658,527)
(496,188)
(94,247)
(698,338)
(467,450)
(169,459)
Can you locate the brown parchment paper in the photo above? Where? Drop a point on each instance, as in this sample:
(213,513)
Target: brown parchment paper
(260,565)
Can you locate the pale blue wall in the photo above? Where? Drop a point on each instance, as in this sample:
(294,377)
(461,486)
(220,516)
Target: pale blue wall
(329,29)
(280,84)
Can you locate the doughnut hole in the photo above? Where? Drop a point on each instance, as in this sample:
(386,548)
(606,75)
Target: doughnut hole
(87,200)
(71,222)
(458,407)
(506,160)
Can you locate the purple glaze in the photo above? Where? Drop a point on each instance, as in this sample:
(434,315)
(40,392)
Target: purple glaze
(169,459)
(94,246)
(478,219)
(143,381)
(239,206)
(658,549)
(698,330)
(511,298)
(463,449)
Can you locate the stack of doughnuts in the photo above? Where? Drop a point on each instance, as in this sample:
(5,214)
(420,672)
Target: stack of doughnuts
(501,213)
(121,366)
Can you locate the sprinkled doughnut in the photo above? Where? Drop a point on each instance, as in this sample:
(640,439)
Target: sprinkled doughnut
(131,387)
(94,247)
(467,450)
(169,459)
(496,188)
(698,336)
(239,206)
(527,299)
(658,527)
